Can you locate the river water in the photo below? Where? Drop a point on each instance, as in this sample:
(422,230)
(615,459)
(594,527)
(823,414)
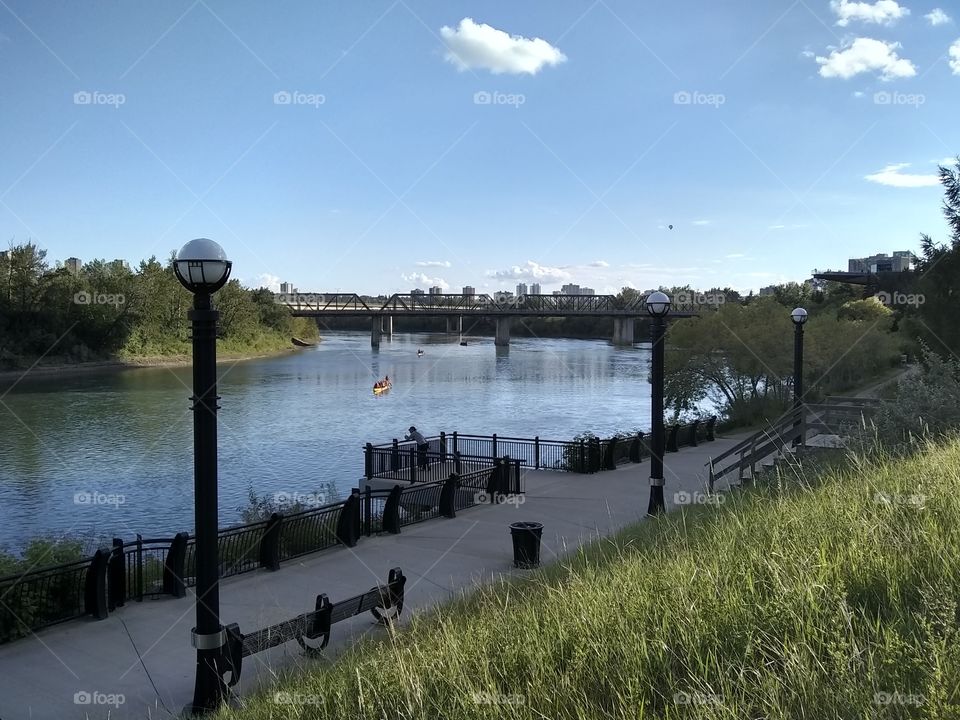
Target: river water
(109,454)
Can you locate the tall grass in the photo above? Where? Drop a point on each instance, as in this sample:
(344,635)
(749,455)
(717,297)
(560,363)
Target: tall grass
(820,598)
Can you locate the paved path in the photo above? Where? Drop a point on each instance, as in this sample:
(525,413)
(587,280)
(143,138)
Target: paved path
(143,652)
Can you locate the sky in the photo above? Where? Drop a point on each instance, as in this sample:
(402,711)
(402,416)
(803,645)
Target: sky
(378,146)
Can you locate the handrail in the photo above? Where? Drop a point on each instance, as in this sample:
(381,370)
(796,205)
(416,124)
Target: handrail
(786,418)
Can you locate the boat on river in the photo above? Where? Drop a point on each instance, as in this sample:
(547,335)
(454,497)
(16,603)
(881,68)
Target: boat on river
(381,386)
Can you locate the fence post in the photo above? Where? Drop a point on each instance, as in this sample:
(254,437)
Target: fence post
(174,567)
(395,456)
(139,573)
(672,438)
(454,442)
(693,433)
(413,464)
(443,446)
(270,543)
(367,512)
(582,465)
(635,452)
(368,460)
(456,462)
(117,572)
(493,451)
(518,484)
(448,494)
(536,452)
(610,456)
(95,589)
(391,511)
(711,423)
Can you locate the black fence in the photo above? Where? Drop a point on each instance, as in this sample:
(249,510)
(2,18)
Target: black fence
(165,567)
(458,452)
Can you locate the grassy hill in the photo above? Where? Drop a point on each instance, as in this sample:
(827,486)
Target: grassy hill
(837,600)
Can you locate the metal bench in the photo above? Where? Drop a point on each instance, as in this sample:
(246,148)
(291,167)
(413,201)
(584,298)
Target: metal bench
(384,602)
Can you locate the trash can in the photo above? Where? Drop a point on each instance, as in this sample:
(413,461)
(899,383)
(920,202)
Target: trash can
(526,544)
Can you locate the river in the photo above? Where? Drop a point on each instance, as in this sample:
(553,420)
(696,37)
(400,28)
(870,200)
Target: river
(109,454)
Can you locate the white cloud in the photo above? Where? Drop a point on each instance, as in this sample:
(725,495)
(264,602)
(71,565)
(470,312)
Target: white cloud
(434,263)
(892,176)
(473,45)
(531,271)
(599,264)
(866,55)
(858,93)
(938,17)
(422,279)
(955,57)
(701,222)
(266,280)
(882,12)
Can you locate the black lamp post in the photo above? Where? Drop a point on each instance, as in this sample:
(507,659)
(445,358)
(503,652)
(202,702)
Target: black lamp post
(202,267)
(799,317)
(658,305)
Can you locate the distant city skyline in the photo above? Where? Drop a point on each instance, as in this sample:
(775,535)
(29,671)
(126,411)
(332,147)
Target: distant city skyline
(375,147)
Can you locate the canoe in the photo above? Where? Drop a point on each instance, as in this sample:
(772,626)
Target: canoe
(301,343)
(378,390)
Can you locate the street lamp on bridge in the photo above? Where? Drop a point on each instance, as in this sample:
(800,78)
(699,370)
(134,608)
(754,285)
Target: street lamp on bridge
(799,317)
(658,305)
(202,267)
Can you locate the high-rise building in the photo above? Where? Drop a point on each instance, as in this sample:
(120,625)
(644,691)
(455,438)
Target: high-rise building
(535,289)
(587,291)
(286,288)
(521,289)
(570,289)
(436,290)
(416,291)
(73,264)
(119,265)
(469,291)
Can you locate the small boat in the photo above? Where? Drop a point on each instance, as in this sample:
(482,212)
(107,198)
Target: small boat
(381,386)
(301,343)
(463,342)
(419,353)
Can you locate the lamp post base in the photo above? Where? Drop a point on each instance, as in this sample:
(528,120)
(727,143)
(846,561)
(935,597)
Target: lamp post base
(656,506)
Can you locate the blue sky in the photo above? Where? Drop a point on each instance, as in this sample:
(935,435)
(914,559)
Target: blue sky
(378,146)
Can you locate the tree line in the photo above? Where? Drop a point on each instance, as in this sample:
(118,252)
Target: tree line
(105,311)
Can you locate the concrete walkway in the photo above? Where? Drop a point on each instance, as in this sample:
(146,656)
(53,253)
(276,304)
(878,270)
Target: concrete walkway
(141,654)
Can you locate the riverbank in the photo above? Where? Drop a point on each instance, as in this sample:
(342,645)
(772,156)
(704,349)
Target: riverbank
(136,363)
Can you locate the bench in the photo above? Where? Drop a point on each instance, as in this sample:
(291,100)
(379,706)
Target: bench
(384,602)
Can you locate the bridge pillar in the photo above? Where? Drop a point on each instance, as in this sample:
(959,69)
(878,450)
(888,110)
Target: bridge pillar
(503,331)
(454,324)
(623,331)
(376,331)
(386,325)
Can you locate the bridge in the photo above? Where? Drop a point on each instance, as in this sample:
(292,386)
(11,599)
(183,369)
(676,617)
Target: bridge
(501,307)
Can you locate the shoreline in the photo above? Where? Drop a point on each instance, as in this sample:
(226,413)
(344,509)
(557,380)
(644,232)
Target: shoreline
(145,363)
